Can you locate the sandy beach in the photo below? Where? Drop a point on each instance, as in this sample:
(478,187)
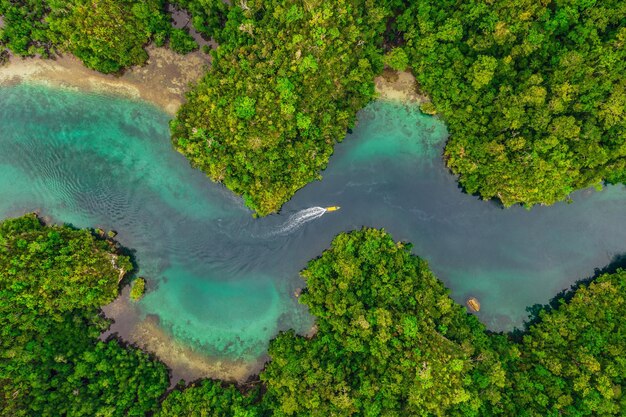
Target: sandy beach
(183,362)
(398,86)
(163,80)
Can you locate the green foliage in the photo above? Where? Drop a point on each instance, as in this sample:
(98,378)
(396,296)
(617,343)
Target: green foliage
(107,35)
(533,93)
(284,86)
(138,288)
(182,42)
(25,31)
(107,379)
(574,360)
(245,107)
(210,399)
(37,257)
(390,340)
(53,281)
(208,16)
(397,59)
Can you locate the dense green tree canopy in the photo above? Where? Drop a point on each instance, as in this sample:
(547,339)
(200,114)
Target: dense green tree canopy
(210,399)
(37,263)
(534,93)
(25,31)
(182,42)
(53,281)
(574,359)
(283,88)
(390,340)
(107,35)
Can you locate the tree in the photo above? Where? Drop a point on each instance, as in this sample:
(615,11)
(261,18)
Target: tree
(397,59)
(210,399)
(53,280)
(24,30)
(390,341)
(182,42)
(572,360)
(138,288)
(532,93)
(284,87)
(107,35)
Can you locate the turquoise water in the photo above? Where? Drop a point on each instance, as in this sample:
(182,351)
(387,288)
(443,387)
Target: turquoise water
(221,282)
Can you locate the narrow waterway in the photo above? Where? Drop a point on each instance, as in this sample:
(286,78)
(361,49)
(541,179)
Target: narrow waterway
(221,283)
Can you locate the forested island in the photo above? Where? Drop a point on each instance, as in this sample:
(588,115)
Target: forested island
(390,341)
(534,96)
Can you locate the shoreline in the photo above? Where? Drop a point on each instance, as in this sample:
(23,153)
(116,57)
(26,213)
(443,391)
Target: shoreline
(399,86)
(162,81)
(182,361)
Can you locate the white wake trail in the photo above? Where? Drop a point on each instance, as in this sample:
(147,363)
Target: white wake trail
(297,220)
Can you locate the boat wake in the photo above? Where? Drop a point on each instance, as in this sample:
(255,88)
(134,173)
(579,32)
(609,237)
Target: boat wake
(299,219)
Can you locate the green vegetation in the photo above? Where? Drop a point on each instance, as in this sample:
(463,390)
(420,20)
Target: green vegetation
(390,342)
(182,42)
(283,88)
(397,59)
(25,32)
(138,288)
(107,35)
(533,93)
(210,399)
(574,360)
(534,96)
(207,16)
(53,281)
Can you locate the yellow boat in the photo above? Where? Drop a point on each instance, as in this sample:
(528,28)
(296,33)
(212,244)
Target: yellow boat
(332,208)
(473,304)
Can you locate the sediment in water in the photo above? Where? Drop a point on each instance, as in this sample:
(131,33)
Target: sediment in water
(163,80)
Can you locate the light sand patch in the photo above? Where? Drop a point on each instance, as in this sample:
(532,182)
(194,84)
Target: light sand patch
(398,86)
(184,362)
(187,364)
(163,80)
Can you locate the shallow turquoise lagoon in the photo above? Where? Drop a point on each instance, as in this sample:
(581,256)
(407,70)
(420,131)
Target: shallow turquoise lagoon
(221,282)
